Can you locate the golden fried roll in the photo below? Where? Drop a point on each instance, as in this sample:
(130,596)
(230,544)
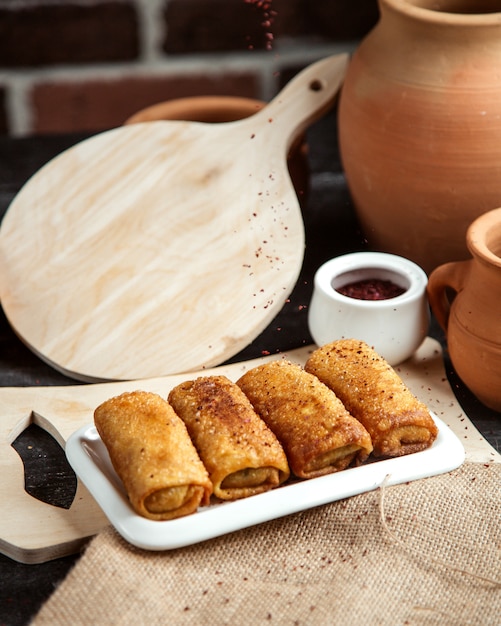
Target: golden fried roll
(318,434)
(376,395)
(240,452)
(153,455)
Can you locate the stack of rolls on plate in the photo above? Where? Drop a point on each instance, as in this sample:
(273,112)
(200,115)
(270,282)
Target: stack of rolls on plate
(212,437)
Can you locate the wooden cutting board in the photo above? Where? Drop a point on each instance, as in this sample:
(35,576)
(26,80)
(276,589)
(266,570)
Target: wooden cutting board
(161,247)
(32,531)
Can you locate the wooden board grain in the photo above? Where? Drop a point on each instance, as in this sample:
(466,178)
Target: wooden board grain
(161,247)
(33,532)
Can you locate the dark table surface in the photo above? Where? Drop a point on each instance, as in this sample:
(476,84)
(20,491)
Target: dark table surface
(331,230)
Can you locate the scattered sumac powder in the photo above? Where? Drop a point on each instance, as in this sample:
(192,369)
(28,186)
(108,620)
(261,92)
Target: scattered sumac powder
(268,15)
(371,289)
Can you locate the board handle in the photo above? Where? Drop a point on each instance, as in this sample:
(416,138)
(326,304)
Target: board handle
(305,98)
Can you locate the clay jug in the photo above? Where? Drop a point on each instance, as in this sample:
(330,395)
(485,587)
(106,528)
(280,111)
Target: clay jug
(465,297)
(420,126)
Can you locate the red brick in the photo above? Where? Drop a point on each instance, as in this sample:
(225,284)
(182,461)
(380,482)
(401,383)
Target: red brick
(68,33)
(223,25)
(98,105)
(289,17)
(340,19)
(212,26)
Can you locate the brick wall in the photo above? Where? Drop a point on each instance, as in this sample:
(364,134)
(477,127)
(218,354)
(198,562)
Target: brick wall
(87,65)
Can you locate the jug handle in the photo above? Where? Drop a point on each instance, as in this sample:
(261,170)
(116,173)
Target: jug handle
(446,277)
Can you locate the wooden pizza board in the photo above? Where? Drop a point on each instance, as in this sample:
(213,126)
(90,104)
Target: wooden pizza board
(161,247)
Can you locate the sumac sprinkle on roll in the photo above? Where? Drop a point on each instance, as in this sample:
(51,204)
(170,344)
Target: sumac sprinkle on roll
(153,455)
(318,434)
(242,455)
(376,395)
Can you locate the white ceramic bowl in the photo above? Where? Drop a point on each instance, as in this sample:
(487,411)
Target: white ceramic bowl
(395,327)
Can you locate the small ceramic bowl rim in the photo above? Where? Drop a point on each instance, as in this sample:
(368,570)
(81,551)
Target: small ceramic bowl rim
(365,263)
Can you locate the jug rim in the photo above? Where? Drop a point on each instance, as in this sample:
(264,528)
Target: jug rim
(484,237)
(433,13)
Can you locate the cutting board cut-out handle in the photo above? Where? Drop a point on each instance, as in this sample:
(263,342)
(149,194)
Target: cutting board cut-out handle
(48,476)
(303,100)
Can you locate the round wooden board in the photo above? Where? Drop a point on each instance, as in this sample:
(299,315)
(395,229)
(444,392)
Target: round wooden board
(161,247)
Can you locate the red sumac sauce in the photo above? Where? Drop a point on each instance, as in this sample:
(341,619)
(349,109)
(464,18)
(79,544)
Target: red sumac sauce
(371,289)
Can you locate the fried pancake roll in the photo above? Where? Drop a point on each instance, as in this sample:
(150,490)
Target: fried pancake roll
(243,457)
(318,434)
(153,455)
(376,395)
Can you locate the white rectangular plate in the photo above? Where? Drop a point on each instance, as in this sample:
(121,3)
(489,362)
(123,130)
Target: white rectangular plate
(89,458)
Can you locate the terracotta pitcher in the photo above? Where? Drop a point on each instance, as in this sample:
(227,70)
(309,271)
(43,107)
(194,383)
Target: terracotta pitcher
(420,126)
(465,297)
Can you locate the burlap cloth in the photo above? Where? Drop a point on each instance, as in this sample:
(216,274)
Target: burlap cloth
(427,552)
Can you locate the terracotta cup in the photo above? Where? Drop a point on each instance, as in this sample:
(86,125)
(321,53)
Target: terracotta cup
(217,109)
(465,297)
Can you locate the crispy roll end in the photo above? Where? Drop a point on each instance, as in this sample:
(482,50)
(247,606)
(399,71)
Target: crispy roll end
(153,455)
(242,455)
(318,434)
(375,394)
